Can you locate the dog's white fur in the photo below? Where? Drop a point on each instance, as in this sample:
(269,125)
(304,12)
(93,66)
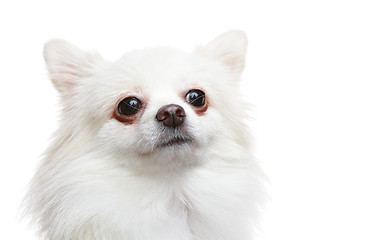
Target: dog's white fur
(102,179)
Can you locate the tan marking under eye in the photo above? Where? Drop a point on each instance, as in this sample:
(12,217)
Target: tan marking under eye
(202,111)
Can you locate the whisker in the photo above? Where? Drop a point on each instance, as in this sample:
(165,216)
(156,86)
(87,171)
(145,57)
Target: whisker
(196,99)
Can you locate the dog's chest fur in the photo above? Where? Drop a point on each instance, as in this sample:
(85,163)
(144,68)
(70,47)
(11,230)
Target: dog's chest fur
(198,204)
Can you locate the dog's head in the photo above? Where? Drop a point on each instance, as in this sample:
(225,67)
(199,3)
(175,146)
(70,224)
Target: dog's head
(152,106)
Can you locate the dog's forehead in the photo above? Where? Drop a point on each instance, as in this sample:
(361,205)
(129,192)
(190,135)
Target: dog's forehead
(157,68)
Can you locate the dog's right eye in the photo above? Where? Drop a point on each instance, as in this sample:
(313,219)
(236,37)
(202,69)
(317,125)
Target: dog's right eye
(129,106)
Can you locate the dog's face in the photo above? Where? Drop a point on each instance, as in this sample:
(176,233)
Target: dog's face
(163,107)
(154,106)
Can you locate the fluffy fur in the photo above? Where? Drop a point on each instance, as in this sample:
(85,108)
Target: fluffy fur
(104,179)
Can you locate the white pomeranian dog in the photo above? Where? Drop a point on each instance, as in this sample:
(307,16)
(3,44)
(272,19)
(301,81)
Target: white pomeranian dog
(150,147)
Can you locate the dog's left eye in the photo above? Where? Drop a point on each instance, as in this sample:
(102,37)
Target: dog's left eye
(196,98)
(129,106)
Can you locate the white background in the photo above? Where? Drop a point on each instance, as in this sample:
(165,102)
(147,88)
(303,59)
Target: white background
(307,75)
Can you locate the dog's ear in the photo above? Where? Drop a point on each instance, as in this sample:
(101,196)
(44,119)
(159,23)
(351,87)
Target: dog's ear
(229,48)
(67,64)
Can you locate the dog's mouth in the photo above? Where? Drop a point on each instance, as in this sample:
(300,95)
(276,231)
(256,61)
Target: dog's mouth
(176,141)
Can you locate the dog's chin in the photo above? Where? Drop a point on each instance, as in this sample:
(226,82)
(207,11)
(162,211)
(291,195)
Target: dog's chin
(170,151)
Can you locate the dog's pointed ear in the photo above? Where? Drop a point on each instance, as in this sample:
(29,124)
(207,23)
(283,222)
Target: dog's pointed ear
(67,64)
(229,48)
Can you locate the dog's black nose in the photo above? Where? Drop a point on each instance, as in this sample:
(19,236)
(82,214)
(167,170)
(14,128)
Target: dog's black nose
(171,115)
